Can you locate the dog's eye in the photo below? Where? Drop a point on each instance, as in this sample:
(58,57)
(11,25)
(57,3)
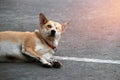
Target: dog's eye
(49,26)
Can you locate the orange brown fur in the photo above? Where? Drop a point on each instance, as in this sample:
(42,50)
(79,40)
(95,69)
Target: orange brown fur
(39,44)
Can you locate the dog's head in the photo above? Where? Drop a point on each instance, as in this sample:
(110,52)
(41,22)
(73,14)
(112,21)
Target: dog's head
(50,29)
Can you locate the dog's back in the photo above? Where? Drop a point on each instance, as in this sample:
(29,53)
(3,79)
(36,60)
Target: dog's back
(11,36)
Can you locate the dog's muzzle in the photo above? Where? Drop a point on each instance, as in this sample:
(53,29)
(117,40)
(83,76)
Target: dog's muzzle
(53,32)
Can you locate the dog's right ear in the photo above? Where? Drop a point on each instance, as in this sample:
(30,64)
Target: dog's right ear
(43,20)
(64,25)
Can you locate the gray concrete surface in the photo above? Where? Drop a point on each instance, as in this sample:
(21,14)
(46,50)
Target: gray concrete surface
(93,32)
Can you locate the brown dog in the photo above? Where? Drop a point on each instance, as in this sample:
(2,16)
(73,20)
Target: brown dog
(39,45)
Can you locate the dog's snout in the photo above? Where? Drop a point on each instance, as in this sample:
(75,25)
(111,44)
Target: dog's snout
(53,31)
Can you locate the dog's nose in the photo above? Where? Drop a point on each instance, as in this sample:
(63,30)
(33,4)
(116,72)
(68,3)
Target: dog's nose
(53,32)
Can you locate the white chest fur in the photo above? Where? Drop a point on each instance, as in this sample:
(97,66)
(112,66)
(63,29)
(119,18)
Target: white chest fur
(44,50)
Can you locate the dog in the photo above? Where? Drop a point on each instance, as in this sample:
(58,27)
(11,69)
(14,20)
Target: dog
(38,46)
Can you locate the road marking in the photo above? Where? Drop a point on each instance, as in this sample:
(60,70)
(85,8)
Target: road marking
(88,60)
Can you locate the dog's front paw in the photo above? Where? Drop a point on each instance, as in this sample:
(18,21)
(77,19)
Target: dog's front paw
(47,65)
(56,64)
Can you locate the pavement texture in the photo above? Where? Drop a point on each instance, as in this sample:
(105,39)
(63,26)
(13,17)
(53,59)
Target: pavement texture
(93,32)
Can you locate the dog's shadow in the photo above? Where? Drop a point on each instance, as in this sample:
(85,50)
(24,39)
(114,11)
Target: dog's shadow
(31,60)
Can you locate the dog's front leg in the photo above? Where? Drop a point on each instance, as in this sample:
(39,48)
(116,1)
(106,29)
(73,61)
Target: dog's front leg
(36,55)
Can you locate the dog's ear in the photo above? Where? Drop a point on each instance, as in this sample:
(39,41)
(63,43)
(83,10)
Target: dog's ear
(43,20)
(64,25)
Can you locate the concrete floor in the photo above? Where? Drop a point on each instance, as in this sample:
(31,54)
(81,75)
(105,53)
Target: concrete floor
(93,32)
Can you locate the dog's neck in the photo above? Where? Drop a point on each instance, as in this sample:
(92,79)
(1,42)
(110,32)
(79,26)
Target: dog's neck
(54,42)
(51,42)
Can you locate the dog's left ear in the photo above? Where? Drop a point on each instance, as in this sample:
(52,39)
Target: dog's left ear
(43,20)
(64,25)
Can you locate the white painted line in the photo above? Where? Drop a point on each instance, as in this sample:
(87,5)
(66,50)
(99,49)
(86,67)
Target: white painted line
(88,60)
